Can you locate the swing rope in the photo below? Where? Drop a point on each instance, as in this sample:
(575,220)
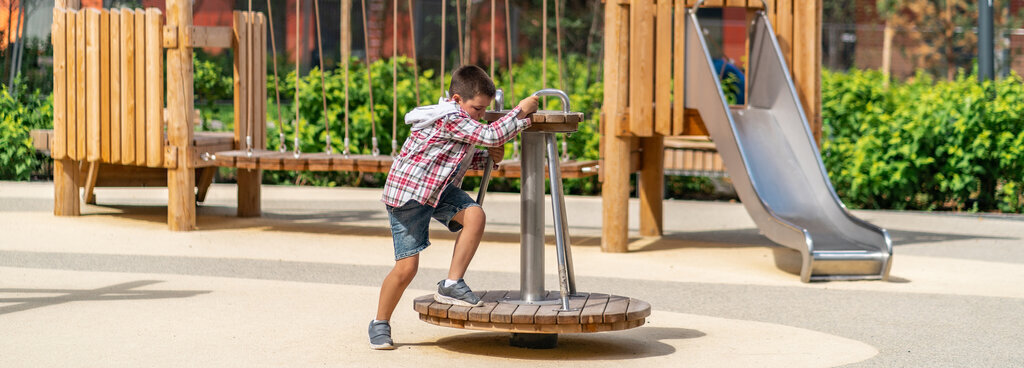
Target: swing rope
(394,80)
(277,91)
(346,40)
(249,88)
(323,88)
(415,66)
(369,81)
(444,22)
(298,73)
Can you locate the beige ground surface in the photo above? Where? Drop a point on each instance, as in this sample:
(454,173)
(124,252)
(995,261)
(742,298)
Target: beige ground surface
(297,286)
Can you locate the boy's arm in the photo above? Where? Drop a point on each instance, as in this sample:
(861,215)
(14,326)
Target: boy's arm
(487,135)
(480,160)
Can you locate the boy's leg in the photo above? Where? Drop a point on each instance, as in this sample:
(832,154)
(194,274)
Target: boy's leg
(394,285)
(466,243)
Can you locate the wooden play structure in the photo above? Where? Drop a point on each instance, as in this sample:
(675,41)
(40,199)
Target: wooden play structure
(112,128)
(116,123)
(767,144)
(643,46)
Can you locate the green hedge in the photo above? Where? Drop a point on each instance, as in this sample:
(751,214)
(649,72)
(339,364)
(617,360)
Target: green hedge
(924,144)
(19,114)
(921,144)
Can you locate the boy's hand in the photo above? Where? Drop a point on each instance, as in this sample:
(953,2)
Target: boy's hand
(528,105)
(497,153)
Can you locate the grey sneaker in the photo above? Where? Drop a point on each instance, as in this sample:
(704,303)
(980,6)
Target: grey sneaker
(457,294)
(380,336)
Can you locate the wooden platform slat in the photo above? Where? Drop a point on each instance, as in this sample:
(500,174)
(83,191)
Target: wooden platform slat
(498,314)
(576,302)
(540,117)
(483,314)
(593,311)
(615,311)
(637,309)
(502,313)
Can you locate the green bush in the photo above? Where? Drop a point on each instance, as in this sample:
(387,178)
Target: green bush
(924,144)
(19,114)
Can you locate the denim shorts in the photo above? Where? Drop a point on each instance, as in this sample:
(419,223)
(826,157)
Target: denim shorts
(410,223)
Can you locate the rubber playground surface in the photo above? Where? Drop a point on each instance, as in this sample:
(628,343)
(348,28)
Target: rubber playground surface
(297,287)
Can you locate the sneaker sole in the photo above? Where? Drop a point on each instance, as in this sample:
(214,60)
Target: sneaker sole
(382,347)
(449,300)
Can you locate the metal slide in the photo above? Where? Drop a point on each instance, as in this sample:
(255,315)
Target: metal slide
(775,166)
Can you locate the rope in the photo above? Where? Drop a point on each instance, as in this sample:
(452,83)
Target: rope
(415,66)
(444,23)
(492,38)
(469,34)
(346,48)
(369,80)
(511,80)
(508,43)
(323,87)
(298,72)
(277,91)
(458,27)
(394,80)
(544,51)
(561,72)
(249,103)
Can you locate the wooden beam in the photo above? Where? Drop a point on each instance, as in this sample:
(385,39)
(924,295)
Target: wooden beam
(663,69)
(679,56)
(140,87)
(181,204)
(59,143)
(65,188)
(615,151)
(103,68)
(127,87)
(89,192)
(641,67)
(92,84)
(651,186)
(155,90)
(218,37)
(80,122)
(115,104)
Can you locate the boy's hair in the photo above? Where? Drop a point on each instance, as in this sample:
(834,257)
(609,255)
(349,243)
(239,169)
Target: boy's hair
(470,81)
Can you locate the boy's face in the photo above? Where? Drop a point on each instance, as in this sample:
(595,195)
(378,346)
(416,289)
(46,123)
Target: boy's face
(475,106)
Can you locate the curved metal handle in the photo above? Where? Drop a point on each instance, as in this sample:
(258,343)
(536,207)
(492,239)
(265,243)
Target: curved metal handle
(499,100)
(556,93)
(696,5)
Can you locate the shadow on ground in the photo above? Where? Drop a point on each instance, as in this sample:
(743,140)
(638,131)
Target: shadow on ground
(115,292)
(632,344)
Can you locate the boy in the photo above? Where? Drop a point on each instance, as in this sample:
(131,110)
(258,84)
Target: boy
(422,184)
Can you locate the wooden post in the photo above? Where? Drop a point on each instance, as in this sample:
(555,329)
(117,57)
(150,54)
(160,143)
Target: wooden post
(65,188)
(806,61)
(651,185)
(615,156)
(249,180)
(181,180)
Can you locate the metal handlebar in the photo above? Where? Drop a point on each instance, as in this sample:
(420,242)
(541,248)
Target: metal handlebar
(484,180)
(555,93)
(499,100)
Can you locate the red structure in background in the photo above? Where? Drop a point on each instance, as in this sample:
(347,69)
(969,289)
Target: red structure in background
(380,20)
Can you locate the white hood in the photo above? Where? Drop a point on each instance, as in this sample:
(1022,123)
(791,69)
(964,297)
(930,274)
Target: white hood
(424,116)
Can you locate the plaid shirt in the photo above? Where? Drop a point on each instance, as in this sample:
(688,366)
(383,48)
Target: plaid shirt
(430,157)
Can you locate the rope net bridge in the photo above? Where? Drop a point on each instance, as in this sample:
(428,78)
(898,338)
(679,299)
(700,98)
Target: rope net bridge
(250,106)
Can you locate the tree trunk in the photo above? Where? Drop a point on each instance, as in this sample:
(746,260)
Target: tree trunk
(887,52)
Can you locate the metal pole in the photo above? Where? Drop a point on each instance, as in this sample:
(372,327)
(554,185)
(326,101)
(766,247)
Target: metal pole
(558,208)
(531,258)
(986,65)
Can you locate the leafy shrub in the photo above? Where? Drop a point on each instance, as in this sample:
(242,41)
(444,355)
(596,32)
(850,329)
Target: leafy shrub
(18,116)
(924,144)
